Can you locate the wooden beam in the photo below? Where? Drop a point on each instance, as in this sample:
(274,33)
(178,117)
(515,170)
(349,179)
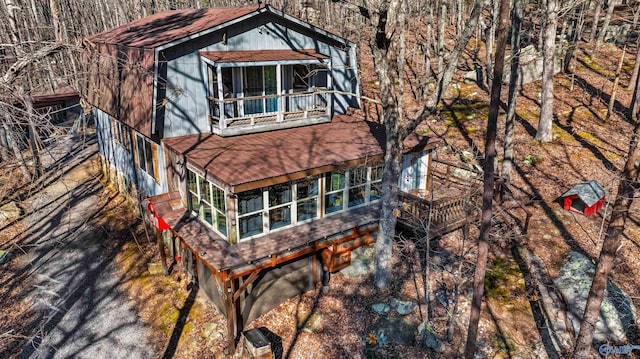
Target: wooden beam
(246,283)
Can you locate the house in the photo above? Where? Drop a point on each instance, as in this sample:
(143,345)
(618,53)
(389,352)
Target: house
(585,198)
(239,127)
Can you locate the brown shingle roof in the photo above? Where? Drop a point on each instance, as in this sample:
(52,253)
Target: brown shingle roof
(262,55)
(250,158)
(162,28)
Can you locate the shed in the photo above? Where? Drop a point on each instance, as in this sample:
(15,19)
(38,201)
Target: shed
(585,198)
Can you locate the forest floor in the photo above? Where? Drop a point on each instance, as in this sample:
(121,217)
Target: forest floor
(172,319)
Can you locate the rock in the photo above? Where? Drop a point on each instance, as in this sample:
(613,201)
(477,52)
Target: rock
(393,331)
(362,262)
(617,312)
(547,236)
(403,308)
(9,212)
(209,330)
(530,69)
(310,323)
(381,308)
(429,339)
(155,268)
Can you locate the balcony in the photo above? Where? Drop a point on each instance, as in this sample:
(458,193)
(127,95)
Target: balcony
(270,112)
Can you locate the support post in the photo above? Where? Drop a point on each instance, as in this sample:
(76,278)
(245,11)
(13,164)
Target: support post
(163,254)
(231,316)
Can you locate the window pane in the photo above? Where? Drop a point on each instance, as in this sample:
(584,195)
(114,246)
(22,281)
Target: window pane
(250,225)
(376,172)
(279,194)
(221,221)
(140,150)
(191,182)
(375,192)
(218,199)
(250,201)
(205,190)
(194,203)
(334,181)
(357,176)
(333,202)
(280,217)
(356,196)
(148,157)
(307,209)
(307,188)
(206,213)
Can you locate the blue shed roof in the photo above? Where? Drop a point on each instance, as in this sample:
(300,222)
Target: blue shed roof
(589,192)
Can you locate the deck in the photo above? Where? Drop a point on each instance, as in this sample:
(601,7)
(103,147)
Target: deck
(278,247)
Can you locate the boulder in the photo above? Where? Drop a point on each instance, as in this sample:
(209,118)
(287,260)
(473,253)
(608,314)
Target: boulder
(390,331)
(617,312)
(362,262)
(429,339)
(402,307)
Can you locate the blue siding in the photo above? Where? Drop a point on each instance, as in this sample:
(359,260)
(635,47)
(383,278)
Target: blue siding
(121,161)
(187,109)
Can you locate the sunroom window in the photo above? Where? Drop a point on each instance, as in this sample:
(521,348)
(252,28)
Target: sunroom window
(206,201)
(279,206)
(357,186)
(307,198)
(250,205)
(334,192)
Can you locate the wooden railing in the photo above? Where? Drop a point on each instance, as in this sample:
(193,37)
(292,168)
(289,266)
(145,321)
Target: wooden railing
(249,111)
(440,216)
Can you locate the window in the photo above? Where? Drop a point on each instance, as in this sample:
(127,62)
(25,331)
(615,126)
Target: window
(307,198)
(376,180)
(121,135)
(147,156)
(260,83)
(334,192)
(207,201)
(250,205)
(357,186)
(279,206)
(300,78)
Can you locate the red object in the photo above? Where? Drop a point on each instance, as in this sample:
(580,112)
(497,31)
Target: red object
(178,258)
(158,222)
(585,198)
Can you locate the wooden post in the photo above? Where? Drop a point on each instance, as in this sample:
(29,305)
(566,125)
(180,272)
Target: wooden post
(163,254)
(231,314)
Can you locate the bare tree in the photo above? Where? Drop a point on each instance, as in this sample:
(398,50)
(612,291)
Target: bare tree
(548,54)
(603,29)
(509,131)
(489,170)
(627,188)
(385,45)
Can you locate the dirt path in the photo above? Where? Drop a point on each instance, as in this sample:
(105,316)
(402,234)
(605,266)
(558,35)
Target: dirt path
(63,285)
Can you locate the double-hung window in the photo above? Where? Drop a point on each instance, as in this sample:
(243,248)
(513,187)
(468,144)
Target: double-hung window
(357,186)
(279,206)
(250,206)
(334,192)
(206,201)
(306,198)
(147,156)
(376,181)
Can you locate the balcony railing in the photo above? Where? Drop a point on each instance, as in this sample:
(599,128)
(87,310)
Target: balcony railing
(263,110)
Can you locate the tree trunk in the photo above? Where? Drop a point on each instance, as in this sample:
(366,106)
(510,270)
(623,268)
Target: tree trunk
(603,29)
(596,19)
(548,54)
(614,90)
(487,196)
(577,24)
(490,35)
(611,244)
(634,74)
(16,150)
(509,131)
